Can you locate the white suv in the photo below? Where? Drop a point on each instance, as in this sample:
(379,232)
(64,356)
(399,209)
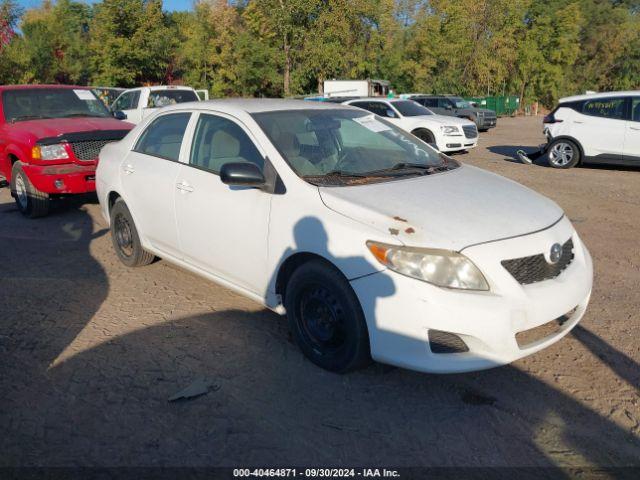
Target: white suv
(594,128)
(447,134)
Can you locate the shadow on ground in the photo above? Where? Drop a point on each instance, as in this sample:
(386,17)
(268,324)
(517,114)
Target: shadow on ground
(108,405)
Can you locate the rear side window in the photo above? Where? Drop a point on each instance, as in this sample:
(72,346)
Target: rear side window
(162,98)
(378,108)
(163,138)
(605,107)
(218,141)
(635,109)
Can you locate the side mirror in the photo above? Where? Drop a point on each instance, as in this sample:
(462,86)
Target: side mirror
(119,115)
(391,113)
(244,174)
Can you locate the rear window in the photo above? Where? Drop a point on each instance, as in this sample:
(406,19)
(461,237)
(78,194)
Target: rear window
(162,98)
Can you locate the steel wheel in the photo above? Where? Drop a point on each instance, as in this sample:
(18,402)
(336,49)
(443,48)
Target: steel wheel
(322,319)
(561,154)
(21,192)
(124,235)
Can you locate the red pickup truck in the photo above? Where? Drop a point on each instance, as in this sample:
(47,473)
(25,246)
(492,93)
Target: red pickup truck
(50,137)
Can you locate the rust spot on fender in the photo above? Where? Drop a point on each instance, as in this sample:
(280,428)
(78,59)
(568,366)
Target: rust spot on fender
(394,231)
(400,219)
(410,230)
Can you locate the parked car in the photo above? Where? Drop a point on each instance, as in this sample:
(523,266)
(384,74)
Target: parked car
(137,103)
(50,136)
(373,243)
(458,107)
(108,95)
(447,134)
(596,128)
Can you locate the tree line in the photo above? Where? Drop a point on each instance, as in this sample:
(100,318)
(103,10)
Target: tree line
(537,49)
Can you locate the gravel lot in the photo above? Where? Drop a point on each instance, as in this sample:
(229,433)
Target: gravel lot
(90,351)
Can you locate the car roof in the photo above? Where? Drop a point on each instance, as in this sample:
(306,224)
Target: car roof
(256,105)
(587,96)
(31,87)
(160,87)
(378,99)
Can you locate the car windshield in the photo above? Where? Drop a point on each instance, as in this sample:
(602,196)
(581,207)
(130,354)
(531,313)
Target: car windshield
(461,102)
(38,103)
(162,98)
(409,108)
(340,146)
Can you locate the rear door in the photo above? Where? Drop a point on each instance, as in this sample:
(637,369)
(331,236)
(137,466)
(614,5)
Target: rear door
(632,134)
(149,175)
(600,128)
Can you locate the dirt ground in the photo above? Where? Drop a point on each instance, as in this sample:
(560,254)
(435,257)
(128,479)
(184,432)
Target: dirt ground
(90,352)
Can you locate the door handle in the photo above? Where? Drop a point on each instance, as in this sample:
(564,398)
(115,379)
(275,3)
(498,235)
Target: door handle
(184,186)
(128,169)
(575,121)
(634,128)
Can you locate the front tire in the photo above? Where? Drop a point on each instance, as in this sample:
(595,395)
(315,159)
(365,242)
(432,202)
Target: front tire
(125,238)
(426,136)
(30,201)
(326,319)
(563,153)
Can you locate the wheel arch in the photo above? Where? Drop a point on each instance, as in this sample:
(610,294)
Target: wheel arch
(111,199)
(292,263)
(572,139)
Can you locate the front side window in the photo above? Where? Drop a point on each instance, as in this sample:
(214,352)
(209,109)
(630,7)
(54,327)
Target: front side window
(379,108)
(45,103)
(605,107)
(346,143)
(409,108)
(218,141)
(162,98)
(460,102)
(163,138)
(635,109)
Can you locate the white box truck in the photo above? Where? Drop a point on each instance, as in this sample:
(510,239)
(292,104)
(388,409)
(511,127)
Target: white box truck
(355,88)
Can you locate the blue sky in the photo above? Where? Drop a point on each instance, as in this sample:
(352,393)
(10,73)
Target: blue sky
(167,4)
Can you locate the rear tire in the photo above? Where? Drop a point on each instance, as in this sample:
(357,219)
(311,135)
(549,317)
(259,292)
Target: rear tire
(326,319)
(30,201)
(563,153)
(125,238)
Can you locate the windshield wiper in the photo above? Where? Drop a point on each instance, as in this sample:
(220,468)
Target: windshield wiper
(21,118)
(79,114)
(338,173)
(398,167)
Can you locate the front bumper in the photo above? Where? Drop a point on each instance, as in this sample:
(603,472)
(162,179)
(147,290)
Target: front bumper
(400,310)
(486,123)
(456,143)
(63,179)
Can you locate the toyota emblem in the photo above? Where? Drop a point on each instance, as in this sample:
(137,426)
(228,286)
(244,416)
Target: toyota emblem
(555,253)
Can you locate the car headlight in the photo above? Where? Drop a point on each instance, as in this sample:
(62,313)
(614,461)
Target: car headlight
(449,129)
(444,268)
(49,152)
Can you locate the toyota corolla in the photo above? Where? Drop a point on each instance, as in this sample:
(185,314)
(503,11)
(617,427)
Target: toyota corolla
(372,243)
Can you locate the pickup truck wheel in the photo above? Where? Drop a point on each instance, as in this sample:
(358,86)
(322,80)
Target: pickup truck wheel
(563,153)
(326,319)
(30,201)
(125,238)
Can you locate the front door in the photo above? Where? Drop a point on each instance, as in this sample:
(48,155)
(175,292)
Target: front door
(149,175)
(222,229)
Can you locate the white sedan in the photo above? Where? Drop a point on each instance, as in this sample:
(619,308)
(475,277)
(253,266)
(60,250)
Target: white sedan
(447,134)
(374,244)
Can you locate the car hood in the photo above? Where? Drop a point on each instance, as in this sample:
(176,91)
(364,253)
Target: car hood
(54,127)
(441,119)
(450,210)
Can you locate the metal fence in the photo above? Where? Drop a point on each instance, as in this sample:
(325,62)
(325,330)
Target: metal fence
(502,105)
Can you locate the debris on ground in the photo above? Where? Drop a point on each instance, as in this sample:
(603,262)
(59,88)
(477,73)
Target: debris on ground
(200,386)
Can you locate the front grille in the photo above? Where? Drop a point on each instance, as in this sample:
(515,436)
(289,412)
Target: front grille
(527,270)
(445,342)
(527,338)
(88,149)
(470,131)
